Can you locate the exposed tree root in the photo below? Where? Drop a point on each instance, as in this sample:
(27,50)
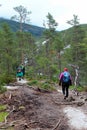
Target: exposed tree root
(6,123)
(57,125)
(78,103)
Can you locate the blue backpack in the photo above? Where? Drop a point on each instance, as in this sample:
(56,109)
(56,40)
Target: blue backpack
(66,77)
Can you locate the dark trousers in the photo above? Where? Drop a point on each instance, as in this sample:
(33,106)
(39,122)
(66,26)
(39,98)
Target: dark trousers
(65,89)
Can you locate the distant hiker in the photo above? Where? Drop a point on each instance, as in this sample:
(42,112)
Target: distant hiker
(65,81)
(19,73)
(23,69)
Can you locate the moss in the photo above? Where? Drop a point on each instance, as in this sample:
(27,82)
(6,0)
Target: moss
(2,107)
(3,115)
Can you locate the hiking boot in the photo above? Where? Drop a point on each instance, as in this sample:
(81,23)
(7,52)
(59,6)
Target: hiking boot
(64,97)
(19,79)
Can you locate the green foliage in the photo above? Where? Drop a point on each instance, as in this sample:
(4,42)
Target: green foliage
(23,13)
(46,86)
(30,73)
(74,21)
(45,61)
(5,78)
(54,69)
(33,82)
(85,89)
(34,30)
(2,89)
(54,78)
(3,107)
(79,88)
(3,115)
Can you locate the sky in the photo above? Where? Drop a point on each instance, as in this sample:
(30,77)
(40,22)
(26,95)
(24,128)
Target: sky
(61,10)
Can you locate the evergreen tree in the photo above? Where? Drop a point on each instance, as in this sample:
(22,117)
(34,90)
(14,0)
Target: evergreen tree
(21,18)
(7,50)
(50,34)
(22,15)
(78,36)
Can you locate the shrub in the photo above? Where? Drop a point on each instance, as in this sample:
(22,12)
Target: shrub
(2,116)
(33,82)
(6,78)
(85,89)
(2,113)
(2,89)
(47,86)
(2,107)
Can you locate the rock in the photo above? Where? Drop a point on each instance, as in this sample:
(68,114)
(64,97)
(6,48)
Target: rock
(80,103)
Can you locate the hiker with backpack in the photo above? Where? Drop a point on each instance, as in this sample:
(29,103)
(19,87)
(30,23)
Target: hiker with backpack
(65,81)
(23,69)
(19,73)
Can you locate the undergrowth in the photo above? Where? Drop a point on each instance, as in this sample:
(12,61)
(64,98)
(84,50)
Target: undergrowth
(47,85)
(3,113)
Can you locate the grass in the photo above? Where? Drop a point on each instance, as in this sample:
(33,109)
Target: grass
(2,107)
(46,85)
(79,88)
(33,82)
(2,89)
(3,115)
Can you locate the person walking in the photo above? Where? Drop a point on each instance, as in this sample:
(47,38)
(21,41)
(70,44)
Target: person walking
(19,73)
(23,69)
(65,81)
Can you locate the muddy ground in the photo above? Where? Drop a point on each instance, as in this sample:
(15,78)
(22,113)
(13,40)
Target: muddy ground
(34,109)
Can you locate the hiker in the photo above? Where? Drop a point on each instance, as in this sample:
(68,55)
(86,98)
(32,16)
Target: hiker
(19,73)
(23,69)
(65,81)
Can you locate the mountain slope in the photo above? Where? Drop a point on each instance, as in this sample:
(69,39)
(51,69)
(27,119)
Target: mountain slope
(15,26)
(35,30)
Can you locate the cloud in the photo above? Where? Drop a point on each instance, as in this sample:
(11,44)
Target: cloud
(61,10)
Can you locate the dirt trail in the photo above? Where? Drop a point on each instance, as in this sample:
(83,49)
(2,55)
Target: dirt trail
(33,109)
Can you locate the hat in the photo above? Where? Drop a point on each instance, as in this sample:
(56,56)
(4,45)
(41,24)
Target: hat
(65,69)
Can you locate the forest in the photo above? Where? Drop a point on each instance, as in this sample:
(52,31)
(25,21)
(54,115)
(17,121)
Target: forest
(44,54)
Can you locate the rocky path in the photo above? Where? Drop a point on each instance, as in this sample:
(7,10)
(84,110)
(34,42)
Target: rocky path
(32,109)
